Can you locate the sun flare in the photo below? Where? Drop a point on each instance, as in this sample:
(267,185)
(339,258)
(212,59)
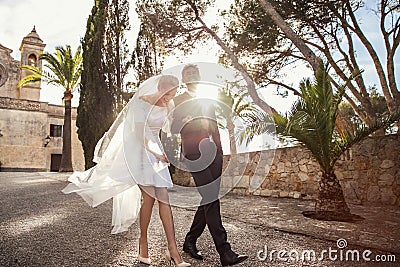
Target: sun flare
(207,91)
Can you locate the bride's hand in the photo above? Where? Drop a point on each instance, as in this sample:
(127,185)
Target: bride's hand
(161,157)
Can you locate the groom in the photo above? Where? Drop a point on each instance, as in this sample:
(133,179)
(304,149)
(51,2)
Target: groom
(195,120)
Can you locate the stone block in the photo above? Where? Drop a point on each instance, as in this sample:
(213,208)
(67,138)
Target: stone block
(303,168)
(296,195)
(303,161)
(227,181)
(275,193)
(280,167)
(373,194)
(386,179)
(349,189)
(283,194)
(239,191)
(303,176)
(387,196)
(243,159)
(267,168)
(255,182)
(241,182)
(275,177)
(266,192)
(386,164)
(283,176)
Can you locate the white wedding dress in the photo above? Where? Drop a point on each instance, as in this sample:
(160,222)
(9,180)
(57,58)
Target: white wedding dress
(123,162)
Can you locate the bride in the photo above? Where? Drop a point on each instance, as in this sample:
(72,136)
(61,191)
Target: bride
(132,165)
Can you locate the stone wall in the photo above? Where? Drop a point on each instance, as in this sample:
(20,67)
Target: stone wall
(23,126)
(369,172)
(10,73)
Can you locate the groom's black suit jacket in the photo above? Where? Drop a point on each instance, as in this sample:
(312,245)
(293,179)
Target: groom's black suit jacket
(193,131)
(207,180)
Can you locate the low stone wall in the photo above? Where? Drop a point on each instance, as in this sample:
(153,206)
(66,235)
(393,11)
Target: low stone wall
(369,172)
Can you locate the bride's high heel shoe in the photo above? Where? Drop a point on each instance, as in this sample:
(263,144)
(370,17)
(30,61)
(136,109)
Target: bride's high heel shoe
(146,261)
(172,260)
(141,259)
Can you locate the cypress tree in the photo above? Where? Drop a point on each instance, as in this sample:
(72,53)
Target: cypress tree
(95,110)
(116,56)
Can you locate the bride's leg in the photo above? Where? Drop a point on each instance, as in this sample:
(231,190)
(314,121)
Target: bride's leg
(144,218)
(167,219)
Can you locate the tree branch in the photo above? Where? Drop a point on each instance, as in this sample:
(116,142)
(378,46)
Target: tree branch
(378,65)
(235,62)
(300,44)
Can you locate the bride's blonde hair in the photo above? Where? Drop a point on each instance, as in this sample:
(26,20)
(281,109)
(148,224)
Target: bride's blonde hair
(167,83)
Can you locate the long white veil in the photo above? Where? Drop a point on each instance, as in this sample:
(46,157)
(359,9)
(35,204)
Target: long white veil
(118,154)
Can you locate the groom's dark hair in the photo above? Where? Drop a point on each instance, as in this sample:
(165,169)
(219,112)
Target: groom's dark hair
(188,66)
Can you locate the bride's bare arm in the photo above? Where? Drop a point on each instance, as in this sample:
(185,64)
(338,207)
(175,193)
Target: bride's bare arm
(141,131)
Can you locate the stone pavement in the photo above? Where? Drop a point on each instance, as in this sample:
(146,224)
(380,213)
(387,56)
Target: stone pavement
(40,226)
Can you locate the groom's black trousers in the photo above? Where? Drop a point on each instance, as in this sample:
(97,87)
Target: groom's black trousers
(208,213)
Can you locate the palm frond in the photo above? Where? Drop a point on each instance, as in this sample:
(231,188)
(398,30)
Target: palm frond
(348,139)
(257,124)
(52,64)
(34,78)
(65,68)
(312,121)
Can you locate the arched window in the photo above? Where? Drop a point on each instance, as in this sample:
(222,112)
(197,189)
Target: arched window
(32,60)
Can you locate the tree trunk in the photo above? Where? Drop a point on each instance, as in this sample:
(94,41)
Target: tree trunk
(251,87)
(66,159)
(232,138)
(308,54)
(331,200)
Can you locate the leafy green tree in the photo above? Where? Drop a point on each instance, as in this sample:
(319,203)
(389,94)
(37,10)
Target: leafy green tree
(347,117)
(116,57)
(96,102)
(179,24)
(312,121)
(265,36)
(173,22)
(308,30)
(148,55)
(65,71)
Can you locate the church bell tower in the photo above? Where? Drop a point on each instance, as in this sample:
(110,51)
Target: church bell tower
(31,48)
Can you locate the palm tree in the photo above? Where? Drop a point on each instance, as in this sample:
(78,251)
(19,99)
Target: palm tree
(233,106)
(65,70)
(312,121)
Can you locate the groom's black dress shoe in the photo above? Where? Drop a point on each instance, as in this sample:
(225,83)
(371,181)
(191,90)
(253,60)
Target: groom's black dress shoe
(190,247)
(231,258)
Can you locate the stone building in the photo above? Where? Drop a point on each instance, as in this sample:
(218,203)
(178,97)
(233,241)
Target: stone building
(30,130)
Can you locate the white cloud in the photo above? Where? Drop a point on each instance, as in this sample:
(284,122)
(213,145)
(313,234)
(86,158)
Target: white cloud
(57,22)
(60,22)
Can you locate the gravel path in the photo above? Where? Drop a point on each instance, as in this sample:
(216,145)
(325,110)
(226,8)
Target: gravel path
(40,226)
